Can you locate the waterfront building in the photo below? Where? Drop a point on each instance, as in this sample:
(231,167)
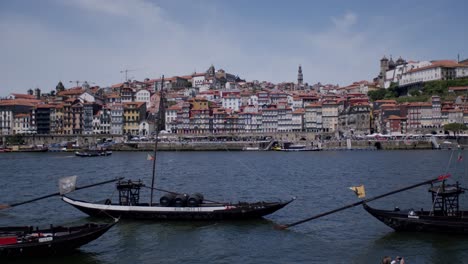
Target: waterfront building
(355,119)
(396,125)
(117,116)
(419,115)
(171,117)
(285,118)
(297,121)
(133,114)
(313,117)
(9,108)
(250,121)
(330,110)
(102,121)
(76,124)
(58,127)
(200,116)
(269,119)
(43,118)
(219,120)
(21,124)
(232,124)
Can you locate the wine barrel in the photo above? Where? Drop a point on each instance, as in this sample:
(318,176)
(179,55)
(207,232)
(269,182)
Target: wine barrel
(195,200)
(167,199)
(181,200)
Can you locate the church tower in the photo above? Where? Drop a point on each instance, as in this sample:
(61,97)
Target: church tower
(300,78)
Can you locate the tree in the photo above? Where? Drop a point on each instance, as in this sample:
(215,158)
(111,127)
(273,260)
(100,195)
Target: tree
(377,94)
(455,127)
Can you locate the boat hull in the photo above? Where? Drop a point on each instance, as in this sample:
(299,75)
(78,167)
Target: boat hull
(420,221)
(56,245)
(238,211)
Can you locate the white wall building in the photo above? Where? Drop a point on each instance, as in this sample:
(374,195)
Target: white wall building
(143,96)
(231,102)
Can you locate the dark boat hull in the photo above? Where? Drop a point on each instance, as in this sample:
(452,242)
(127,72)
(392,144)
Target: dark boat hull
(92,154)
(421,221)
(58,245)
(239,211)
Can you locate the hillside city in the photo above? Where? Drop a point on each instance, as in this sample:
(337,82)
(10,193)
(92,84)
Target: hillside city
(219,102)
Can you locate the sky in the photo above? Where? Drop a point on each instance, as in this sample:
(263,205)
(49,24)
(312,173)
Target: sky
(338,42)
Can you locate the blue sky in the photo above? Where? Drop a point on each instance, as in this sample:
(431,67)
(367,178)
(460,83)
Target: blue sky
(336,42)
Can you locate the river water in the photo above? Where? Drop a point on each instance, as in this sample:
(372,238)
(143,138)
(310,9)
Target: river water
(319,180)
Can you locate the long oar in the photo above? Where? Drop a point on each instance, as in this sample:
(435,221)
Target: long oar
(440,178)
(4,206)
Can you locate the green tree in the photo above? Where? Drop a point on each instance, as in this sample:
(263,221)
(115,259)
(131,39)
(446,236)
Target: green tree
(455,127)
(377,94)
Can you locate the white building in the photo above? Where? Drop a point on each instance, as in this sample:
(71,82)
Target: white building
(116,127)
(231,102)
(21,124)
(143,96)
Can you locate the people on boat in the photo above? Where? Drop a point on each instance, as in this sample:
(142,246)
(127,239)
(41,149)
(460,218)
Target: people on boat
(388,260)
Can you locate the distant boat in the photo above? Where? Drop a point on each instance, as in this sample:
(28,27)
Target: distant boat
(32,148)
(4,150)
(290,147)
(27,241)
(93,153)
(251,148)
(444,216)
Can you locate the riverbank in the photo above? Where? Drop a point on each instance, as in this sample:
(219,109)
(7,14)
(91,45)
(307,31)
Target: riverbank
(230,143)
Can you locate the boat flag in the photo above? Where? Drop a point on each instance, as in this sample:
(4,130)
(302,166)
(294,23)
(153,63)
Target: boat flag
(67,184)
(359,191)
(150,157)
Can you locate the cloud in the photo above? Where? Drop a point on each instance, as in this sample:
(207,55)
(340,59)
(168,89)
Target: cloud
(102,38)
(345,22)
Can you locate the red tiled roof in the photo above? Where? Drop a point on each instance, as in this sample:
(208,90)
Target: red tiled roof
(23,96)
(436,64)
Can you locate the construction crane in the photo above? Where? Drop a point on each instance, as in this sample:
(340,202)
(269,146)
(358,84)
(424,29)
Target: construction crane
(126,71)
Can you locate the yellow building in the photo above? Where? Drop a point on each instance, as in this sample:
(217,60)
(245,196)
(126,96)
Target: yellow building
(134,113)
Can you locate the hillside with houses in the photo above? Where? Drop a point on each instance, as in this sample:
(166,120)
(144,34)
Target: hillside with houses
(218,102)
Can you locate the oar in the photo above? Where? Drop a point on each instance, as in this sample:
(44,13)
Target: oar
(4,206)
(440,178)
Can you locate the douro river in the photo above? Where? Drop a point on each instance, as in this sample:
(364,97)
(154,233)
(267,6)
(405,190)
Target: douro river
(319,180)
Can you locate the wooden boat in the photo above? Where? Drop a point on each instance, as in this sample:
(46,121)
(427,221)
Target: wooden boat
(444,216)
(172,205)
(27,241)
(93,153)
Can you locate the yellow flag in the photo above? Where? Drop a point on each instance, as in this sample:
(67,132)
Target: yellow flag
(359,191)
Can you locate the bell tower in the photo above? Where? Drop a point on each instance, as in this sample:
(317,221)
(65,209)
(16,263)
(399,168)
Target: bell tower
(300,77)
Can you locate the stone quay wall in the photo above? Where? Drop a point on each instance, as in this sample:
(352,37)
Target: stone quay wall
(190,142)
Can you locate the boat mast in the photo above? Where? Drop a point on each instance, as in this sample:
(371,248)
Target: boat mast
(159,125)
